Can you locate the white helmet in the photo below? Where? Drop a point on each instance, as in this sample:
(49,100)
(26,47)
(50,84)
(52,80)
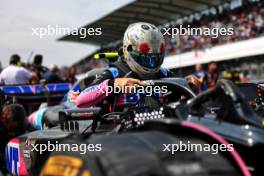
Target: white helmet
(144,48)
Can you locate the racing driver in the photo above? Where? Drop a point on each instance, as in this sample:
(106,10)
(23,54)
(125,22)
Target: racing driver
(144,49)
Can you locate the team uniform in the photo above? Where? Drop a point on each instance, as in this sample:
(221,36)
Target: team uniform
(143,48)
(15,75)
(97,93)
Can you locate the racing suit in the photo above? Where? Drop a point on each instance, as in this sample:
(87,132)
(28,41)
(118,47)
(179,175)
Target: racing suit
(96,93)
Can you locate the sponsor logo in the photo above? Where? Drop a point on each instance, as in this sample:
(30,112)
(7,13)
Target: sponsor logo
(12,157)
(63,165)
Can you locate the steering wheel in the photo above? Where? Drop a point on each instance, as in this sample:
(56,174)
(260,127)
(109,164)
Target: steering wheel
(149,109)
(175,91)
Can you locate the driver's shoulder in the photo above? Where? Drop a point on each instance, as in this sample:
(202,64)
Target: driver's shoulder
(113,71)
(118,69)
(117,72)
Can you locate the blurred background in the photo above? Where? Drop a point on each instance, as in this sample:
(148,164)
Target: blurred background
(238,57)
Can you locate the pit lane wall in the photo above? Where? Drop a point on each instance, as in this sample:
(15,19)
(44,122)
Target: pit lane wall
(228,51)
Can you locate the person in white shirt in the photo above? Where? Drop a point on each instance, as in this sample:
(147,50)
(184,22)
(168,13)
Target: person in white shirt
(14,74)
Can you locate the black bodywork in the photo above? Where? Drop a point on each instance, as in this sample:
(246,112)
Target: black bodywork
(223,109)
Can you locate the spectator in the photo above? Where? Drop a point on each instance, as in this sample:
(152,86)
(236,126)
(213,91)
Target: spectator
(14,74)
(71,75)
(12,124)
(52,75)
(201,75)
(213,75)
(246,19)
(37,66)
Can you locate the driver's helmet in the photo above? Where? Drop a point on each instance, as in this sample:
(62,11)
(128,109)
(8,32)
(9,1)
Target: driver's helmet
(144,48)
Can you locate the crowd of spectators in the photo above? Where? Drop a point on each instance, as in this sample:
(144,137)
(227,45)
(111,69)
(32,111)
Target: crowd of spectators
(246,18)
(33,73)
(208,78)
(209,74)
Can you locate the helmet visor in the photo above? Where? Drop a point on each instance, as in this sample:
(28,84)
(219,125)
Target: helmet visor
(147,60)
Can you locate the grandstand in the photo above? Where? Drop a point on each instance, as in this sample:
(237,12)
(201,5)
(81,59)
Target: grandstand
(245,47)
